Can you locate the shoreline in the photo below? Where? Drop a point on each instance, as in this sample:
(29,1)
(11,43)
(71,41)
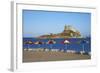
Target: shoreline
(42,56)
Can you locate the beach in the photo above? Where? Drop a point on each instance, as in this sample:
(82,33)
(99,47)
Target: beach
(38,56)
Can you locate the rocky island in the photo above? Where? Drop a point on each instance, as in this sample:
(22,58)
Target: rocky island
(68,32)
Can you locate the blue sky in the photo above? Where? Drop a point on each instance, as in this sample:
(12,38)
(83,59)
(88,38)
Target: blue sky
(36,23)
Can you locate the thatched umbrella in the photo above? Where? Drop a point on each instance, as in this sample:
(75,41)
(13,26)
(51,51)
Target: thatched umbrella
(51,42)
(39,43)
(65,42)
(28,43)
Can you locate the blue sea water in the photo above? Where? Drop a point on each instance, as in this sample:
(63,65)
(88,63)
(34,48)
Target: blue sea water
(76,44)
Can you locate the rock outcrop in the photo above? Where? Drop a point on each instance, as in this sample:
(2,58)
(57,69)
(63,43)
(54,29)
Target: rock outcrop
(68,32)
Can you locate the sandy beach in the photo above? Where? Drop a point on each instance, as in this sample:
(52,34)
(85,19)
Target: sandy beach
(37,56)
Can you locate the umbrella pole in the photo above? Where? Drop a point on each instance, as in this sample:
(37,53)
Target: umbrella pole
(50,47)
(83,48)
(38,46)
(27,46)
(65,47)
(60,49)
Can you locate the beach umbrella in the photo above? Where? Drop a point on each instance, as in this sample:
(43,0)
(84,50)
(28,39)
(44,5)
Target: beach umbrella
(39,43)
(51,42)
(28,43)
(65,42)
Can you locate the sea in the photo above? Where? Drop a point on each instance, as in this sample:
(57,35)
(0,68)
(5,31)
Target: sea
(76,44)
